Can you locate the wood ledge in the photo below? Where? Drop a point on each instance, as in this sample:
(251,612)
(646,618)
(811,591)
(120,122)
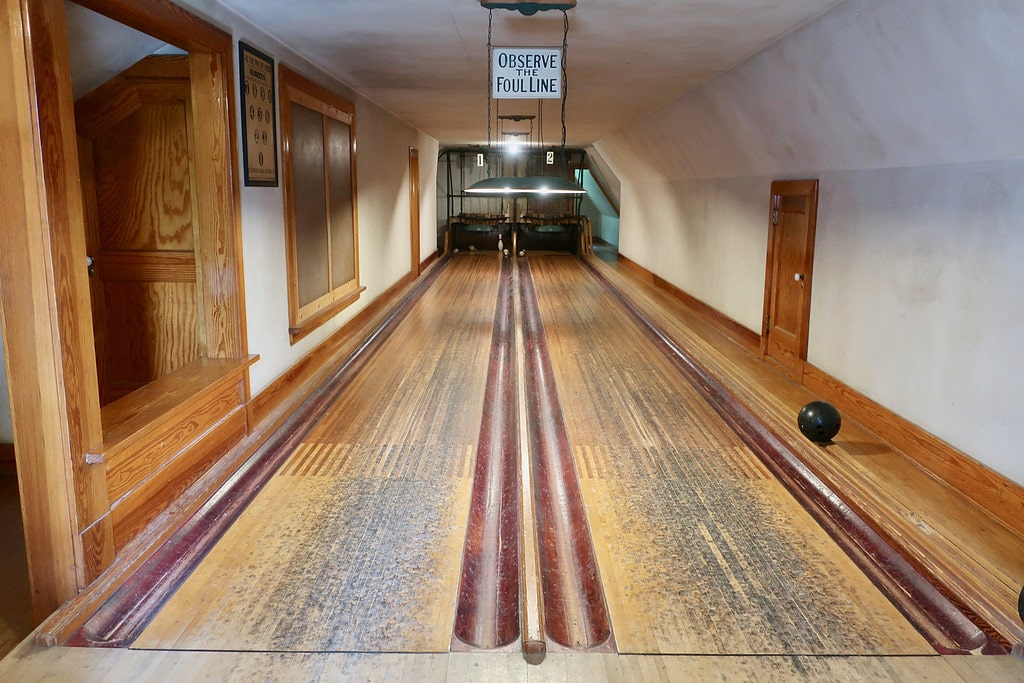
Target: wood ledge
(132,417)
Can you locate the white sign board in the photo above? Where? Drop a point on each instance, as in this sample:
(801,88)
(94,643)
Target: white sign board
(526,73)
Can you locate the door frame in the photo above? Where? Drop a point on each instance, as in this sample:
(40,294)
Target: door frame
(414,209)
(778,189)
(46,301)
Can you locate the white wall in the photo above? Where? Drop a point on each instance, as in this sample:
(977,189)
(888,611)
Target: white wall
(909,112)
(382,168)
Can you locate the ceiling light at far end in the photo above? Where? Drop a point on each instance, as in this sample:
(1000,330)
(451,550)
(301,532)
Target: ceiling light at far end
(529,8)
(527,185)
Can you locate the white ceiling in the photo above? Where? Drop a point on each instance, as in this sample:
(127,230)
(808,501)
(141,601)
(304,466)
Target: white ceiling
(426,60)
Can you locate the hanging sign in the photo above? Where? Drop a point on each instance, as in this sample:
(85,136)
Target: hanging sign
(526,73)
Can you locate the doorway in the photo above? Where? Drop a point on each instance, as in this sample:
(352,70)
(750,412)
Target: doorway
(141,231)
(70,533)
(788,276)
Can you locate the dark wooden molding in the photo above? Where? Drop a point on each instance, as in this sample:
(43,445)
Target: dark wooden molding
(428,261)
(980,485)
(311,368)
(947,629)
(746,338)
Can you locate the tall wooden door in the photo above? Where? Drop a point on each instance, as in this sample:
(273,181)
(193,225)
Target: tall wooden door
(787,298)
(414,208)
(137,169)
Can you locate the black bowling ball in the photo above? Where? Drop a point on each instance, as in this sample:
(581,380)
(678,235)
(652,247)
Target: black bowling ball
(819,421)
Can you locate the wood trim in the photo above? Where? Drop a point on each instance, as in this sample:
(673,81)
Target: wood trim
(807,188)
(264,437)
(165,20)
(218,250)
(743,336)
(310,369)
(55,398)
(981,486)
(51,365)
(427,262)
(147,266)
(414,209)
(315,320)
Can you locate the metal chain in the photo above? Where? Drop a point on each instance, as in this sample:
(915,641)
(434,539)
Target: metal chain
(565,75)
(490,76)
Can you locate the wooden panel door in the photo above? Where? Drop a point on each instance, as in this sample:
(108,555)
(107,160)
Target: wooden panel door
(787,306)
(136,155)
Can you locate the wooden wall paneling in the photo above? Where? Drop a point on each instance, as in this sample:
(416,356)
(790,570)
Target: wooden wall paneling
(66,220)
(165,20)
(134,459)
(133,513)
(218,251)
(30,316)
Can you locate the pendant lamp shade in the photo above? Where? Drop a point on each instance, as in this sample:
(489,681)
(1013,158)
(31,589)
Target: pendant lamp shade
(527,185)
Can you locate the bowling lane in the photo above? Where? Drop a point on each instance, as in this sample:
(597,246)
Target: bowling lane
(700,550)
(355,543)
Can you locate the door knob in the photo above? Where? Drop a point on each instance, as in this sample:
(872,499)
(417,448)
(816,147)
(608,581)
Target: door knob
(799,277)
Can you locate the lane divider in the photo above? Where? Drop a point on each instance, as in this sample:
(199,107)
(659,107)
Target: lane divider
(487,610)
(121,618)
(575,611)
(531,588)
(947,629)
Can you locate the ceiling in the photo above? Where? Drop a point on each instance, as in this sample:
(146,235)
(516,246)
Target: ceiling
(426,60)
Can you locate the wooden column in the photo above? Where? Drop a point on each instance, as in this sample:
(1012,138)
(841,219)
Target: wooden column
(47,332)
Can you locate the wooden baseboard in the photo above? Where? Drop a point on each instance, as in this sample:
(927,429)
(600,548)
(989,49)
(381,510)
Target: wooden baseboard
(308,371)
(984,488)
(981,486)
(7,465)
(426,263)
(275,405)
(746,338)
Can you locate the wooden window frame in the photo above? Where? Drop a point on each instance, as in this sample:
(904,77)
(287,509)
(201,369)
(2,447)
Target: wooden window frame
(297,89)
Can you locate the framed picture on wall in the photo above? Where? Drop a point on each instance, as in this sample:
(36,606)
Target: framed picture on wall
(259,122)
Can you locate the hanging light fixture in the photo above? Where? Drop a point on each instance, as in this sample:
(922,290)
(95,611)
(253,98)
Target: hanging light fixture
(534,61)
(530,8)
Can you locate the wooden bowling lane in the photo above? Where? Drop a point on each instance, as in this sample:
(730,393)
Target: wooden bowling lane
(700,549)
(487,614)
(355,544)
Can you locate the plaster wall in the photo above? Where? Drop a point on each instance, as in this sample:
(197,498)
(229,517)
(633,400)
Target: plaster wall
(908,112)
(382,176)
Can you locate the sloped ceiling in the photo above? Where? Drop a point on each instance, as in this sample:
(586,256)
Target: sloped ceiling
(426,60)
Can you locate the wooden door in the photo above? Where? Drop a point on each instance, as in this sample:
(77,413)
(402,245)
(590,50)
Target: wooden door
(414,208)
(787,299)
(137,160)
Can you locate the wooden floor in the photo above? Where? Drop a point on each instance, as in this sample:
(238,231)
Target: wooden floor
(346,565)
(701,550)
